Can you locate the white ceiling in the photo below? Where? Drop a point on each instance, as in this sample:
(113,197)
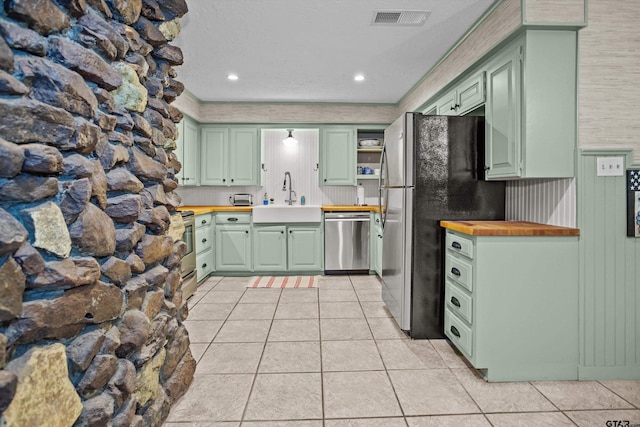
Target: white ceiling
(309,51)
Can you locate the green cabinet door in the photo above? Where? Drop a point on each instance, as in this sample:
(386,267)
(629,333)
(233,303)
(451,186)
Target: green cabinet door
(338,156)
(214,152)
(447,104)
(269,248)
(470,94)
(233,248)
(503,111)
(187,152)
(304,245)
(244,156)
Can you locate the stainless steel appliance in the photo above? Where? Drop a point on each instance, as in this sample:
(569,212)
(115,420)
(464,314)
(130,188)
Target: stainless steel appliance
(433,169)
(188,269)
(346,242)
(241,199)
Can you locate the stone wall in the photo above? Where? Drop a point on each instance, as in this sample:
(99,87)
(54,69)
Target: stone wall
(91,306)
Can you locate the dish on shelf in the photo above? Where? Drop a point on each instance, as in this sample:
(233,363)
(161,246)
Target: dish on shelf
(369,143)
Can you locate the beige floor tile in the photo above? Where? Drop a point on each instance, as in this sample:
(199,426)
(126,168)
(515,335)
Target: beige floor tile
(230,358)
(197,350)
(357,355)
(244,331)
(219,297)
(301,356)
(196,297)
(502,397)
(431,392)
(232,284)
(285,397)
(452,358)
(600,418)
(204,311)
(202,331)
(260,296)
(531,419)
(344,329)
(365,280)
(385,328)
(253,311)
(375,309)
(335,282)
(409,354)
(297,423)
(449,421)
(340,310)
(295,330)
(213,398)
(576,395)
(367,422)
(628,390)
(299,295)
(205,424)
(369,295)
(209,284)
(297,310)
(335,295)
(358,395)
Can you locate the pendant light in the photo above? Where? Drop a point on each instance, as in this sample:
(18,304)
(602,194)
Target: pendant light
(290,140)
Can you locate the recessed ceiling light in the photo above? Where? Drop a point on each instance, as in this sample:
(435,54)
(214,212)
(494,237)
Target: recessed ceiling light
(232,77)
(358,77)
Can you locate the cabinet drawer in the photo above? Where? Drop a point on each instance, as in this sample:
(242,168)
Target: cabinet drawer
(233,218)
(203,220)
(204,264)
(203,239)
(460,245)
(459,333)
(458,301)
(460,271)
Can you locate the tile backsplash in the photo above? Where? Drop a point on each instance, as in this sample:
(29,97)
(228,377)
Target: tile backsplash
(300,160)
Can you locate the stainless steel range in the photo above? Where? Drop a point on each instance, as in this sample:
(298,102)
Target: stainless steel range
(189,279)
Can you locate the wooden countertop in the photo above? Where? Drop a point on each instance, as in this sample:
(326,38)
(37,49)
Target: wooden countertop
(199,210)
(508,228)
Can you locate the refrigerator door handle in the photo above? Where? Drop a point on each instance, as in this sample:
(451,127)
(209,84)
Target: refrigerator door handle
(384,171)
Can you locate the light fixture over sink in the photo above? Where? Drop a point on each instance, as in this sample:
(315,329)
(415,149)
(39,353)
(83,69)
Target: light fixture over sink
(290,140)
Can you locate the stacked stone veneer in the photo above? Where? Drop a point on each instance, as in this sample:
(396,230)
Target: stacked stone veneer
(91,309)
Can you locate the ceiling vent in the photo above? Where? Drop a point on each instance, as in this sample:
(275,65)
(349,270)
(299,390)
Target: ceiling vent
(400,17)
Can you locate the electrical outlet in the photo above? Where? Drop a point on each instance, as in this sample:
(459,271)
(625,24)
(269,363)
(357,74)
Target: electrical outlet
(610,166)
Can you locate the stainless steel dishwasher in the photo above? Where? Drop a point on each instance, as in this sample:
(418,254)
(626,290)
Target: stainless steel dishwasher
(346,242)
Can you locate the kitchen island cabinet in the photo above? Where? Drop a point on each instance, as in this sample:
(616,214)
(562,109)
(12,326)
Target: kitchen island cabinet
(511,298)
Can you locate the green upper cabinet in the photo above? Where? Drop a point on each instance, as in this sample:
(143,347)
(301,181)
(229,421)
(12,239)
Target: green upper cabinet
(338,156)
(502,112)
(214,147)
(230,156)
(269,248)
(187,152)
(531,107)
(463,98)
(305,247)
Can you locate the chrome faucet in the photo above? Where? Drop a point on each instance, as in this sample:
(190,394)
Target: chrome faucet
(292,193)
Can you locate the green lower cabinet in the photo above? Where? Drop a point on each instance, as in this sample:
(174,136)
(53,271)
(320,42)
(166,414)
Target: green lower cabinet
(269,248)
(304,247)
(375,244)
(233,248)
(511,305)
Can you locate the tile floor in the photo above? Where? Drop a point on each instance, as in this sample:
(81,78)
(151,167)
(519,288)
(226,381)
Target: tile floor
(331,356)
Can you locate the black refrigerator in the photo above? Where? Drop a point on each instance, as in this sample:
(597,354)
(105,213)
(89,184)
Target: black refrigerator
(432,170)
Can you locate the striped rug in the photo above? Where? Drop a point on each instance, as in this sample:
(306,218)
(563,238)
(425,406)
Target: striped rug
(283,282)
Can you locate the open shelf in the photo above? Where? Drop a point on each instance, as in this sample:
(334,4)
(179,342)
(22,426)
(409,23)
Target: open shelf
(367,176)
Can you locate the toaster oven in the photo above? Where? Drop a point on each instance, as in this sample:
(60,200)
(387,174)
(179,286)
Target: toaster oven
(241,199)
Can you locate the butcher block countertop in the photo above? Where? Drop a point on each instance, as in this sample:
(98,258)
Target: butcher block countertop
(508,228)
(199,210)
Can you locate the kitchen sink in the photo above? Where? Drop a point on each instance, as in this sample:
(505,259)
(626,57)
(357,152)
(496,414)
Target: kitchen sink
(286,213)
